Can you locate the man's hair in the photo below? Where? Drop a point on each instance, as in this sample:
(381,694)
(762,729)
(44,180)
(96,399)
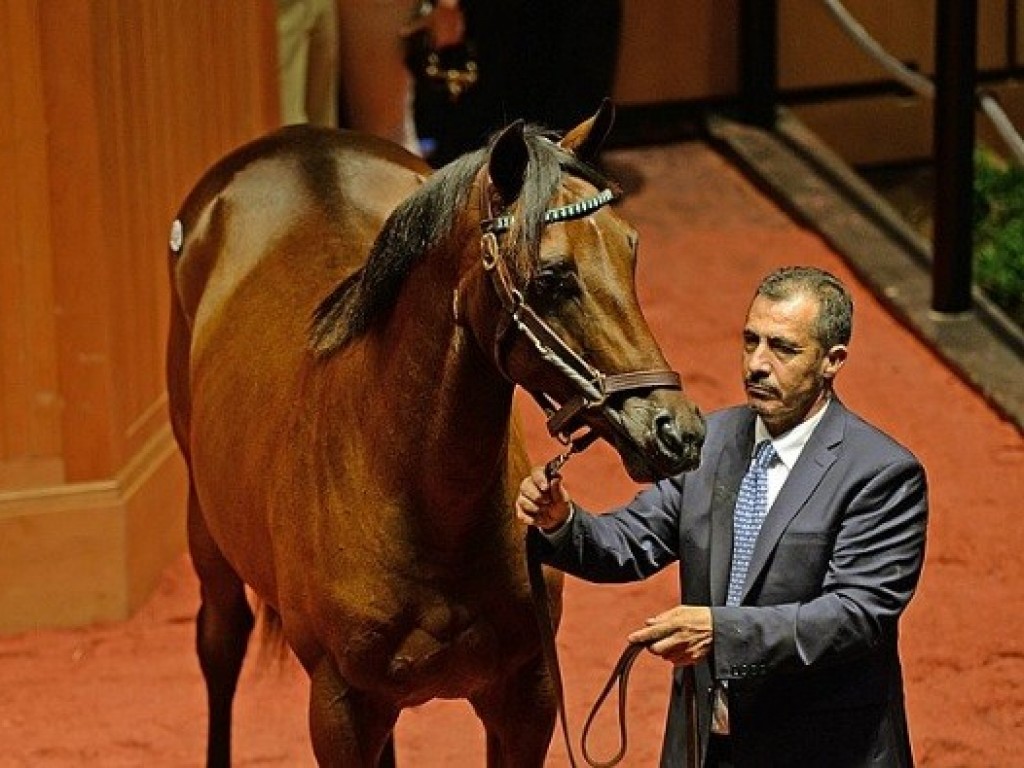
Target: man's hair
(835,307)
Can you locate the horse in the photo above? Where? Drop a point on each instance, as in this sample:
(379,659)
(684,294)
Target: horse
(346,334)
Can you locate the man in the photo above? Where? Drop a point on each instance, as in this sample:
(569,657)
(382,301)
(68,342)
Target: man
(795,564)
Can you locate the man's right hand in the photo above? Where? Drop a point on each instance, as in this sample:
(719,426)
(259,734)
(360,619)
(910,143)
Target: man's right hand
(543,502)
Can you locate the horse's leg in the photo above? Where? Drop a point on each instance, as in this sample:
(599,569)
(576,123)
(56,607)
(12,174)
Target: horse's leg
(223,627)
(519,718)
(348,729)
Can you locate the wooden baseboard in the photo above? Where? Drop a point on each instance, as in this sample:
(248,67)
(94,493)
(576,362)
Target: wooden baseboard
(77,554)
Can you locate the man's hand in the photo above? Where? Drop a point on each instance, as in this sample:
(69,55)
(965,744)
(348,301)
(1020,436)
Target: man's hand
(542,502)
(681,635)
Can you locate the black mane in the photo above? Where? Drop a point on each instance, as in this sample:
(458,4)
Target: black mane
(425,219)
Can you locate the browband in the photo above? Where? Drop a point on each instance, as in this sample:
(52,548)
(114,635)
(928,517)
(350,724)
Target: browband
(575,210)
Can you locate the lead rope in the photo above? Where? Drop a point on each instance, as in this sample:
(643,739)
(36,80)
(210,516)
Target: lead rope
(549,647)
(620,673)
(619,677)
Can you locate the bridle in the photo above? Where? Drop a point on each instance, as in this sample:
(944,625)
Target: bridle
(592,387)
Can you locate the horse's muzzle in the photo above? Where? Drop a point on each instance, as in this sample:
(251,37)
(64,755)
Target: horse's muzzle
(677,441)
(658,437)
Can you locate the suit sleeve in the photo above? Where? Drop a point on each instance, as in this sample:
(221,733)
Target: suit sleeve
(872,573)
(622,545)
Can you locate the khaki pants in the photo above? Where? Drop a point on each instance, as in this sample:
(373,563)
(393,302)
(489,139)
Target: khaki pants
(307,47)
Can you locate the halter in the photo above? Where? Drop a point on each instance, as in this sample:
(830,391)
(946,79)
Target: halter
(592,387)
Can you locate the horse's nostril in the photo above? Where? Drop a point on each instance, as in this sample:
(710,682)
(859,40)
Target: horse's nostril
(670,438)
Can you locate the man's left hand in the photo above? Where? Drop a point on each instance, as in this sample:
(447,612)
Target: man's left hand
(681,635)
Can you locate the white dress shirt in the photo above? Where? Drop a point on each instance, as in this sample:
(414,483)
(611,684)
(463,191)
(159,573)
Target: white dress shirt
(788,447)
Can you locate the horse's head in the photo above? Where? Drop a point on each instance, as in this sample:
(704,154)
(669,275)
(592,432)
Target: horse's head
(570,330)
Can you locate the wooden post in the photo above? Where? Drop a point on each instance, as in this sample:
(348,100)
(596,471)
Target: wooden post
(955,76)
(758,49)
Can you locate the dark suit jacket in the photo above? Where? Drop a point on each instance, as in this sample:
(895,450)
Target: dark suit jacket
(811,655)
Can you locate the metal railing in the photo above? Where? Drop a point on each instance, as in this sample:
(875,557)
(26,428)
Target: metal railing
(922,85)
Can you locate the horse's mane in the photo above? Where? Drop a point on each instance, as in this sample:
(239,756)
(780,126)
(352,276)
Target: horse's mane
(425,219)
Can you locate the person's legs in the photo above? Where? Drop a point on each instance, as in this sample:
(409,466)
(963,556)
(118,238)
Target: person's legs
(719,753)
(322,72)
(292,55)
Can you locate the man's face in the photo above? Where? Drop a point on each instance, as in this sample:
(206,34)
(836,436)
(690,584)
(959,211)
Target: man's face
(786,371)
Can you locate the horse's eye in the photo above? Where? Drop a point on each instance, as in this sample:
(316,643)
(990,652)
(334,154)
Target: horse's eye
(554,285)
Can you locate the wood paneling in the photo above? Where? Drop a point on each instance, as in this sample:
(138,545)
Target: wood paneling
(816,51)
(672,51)
(156,90)
(30,434)
(109,112)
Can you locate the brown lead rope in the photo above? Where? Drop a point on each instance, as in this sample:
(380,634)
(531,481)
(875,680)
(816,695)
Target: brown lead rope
(547,638)
(619,675)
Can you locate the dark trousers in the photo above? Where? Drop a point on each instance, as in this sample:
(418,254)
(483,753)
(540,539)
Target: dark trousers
(719,752)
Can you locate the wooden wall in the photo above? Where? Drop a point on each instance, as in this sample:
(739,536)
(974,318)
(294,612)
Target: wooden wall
(677,51)
(109,111)
(815,52)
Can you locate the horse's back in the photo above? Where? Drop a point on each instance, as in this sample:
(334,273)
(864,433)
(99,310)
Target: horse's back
(311,197)
(269,231)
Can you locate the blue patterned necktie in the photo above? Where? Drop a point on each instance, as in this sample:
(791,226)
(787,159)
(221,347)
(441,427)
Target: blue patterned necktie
(751,508)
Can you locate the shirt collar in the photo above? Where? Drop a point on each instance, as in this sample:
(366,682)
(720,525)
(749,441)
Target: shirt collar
(789,444)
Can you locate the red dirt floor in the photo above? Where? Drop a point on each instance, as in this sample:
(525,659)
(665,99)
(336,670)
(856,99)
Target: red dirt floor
(130,694)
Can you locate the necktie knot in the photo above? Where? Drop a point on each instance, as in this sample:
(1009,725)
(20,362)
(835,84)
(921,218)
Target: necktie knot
(764,455)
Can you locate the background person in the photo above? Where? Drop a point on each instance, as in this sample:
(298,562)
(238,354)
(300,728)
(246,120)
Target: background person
(800,539)
(549,62)
(376,87)
(307,55)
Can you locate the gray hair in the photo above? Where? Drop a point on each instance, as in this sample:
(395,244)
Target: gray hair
(835,307)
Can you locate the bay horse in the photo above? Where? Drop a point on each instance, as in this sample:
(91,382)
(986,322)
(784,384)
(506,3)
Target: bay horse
(347,331)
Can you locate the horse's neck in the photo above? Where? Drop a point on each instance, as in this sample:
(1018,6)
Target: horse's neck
(444,411)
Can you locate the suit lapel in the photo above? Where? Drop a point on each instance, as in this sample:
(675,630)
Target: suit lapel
(817,456)
(731,467)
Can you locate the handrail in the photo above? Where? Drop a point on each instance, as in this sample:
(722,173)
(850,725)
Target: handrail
(920,84)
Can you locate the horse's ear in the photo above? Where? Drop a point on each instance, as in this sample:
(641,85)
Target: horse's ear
(586,139)
(507,163)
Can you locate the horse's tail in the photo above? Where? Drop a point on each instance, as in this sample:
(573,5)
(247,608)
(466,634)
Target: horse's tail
(273,649)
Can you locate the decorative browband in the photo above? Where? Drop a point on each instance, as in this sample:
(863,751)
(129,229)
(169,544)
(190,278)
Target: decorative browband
(564,213)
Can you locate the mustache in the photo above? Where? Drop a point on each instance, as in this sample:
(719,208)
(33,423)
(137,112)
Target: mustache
(761,384)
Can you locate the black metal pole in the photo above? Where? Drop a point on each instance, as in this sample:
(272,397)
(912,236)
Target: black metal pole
(955,76)
(758,49)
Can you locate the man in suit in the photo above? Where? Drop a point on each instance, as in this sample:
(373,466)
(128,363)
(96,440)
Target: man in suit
(795,565)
